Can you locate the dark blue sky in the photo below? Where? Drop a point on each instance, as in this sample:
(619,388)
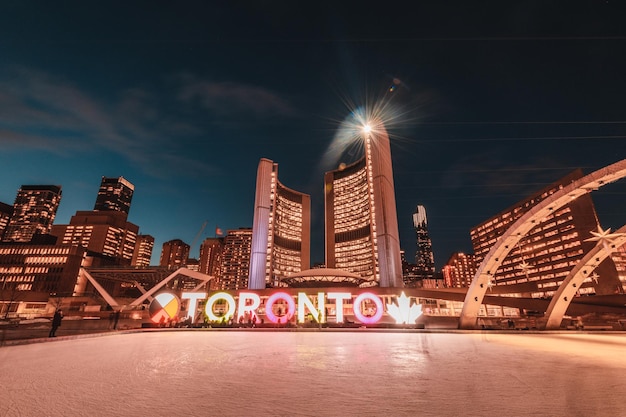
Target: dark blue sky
(493,101)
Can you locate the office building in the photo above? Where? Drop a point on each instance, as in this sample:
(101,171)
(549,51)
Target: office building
(105,232)
(546,255)
(281,229)
(174,254)
(45,269)
(106,235)
(143,251)
(459,271)
(361,224)
(424,258)
(114,194)
(211,252)
(236,259)
(33,212)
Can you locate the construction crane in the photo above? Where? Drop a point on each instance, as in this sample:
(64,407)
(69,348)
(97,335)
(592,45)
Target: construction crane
(195,239)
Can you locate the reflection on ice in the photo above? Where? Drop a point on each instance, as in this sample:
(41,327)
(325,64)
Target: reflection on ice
(317,373)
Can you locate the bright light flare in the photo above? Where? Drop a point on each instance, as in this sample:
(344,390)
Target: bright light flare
(367,128)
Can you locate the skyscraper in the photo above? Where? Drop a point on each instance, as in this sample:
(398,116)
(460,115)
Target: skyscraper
(360,212)
(281,229)
(143,251)
(424,258)
(549,251)
(114,194)
(236,260)
(211,253)
(105,231)
(33,212)
(460,269)
(174,254)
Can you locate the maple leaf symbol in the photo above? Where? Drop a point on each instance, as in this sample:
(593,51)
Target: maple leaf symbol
(404,312)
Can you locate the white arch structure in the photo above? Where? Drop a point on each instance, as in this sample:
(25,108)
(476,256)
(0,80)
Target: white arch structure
(510,238)
(583,269)
(203,278)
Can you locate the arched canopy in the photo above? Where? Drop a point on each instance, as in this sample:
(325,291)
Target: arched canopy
(583,269)
(510,238)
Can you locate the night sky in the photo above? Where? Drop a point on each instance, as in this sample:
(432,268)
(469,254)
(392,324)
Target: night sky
(491,101)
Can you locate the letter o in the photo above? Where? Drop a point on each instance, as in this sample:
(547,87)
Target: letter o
(220,296)
(291,310)
(357,308)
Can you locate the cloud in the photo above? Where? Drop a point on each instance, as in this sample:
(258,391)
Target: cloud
(160,129)
(232,99)
(49,113)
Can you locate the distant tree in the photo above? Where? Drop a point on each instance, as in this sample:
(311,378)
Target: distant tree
(9,295)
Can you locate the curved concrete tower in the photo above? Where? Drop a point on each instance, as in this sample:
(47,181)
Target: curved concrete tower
(360,211)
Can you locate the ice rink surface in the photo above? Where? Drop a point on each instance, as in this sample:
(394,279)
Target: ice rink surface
(361,373)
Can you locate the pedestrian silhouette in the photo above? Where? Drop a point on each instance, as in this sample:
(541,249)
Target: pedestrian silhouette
(116,319)
(56,322)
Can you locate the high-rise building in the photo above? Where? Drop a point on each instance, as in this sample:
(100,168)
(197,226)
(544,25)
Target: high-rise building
(236,259)
(33,212)
(361,224)
(174,254)
(281,229)
(6,211)
(211,252)
(114,194)
(424,258)
(549,251)
(143,251)
(459,271)
(109,238)
(105,234)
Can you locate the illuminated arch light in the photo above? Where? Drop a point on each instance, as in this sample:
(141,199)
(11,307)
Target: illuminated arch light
(230,300)
(357,308)
(291,310)
(404,312)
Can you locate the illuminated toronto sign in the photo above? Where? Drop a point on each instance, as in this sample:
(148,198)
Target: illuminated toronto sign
(280,307)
